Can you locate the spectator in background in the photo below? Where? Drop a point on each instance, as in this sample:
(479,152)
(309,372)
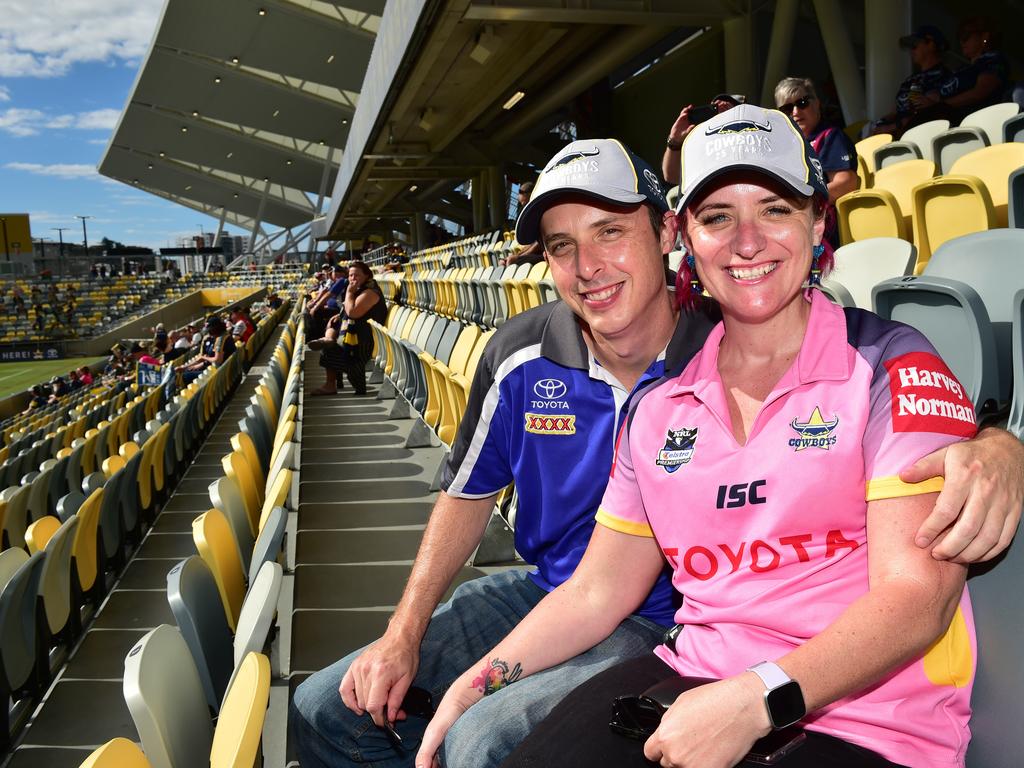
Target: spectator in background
(979,84)
(244,327)
(681,129)
(38,399)
(532,253)
(197,335)
(926,46)
(217,346)
(796,98)
(274,301)
(74,382)
(85,376)
(325,304)
(18,301)
(58,388)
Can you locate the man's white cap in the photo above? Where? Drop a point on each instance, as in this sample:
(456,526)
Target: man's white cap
(754,138)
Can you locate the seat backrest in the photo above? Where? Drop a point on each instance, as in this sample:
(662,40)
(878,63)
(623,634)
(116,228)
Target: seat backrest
(268,545)
(226,496)
(866,148)
(997,740)
(922,135)
(953,144)
(279,494)
(993,166)
(236,466)
(197,608)
(860,266)
(55,581)
(18,621)
(990,120)
(84,550)
(901,178)
(166,701)
(946,207)
(211,533)
(1015,423)
(867,213)
(236,743)
(117,753)
(258,611)
(952,317)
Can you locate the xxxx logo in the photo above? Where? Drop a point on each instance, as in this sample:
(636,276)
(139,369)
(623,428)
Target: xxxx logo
(541,424)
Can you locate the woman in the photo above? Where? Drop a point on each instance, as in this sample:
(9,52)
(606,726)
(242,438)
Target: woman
(217,346)
(979,84)
(796,97)
(766,475)
(347,343)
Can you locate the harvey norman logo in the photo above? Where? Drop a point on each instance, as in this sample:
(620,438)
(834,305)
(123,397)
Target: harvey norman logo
(926,397)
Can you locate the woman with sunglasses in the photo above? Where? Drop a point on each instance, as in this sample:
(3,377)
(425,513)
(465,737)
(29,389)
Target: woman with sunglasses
(765,474)
(796,97)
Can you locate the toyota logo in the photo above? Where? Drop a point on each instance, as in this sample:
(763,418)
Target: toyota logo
(549,389)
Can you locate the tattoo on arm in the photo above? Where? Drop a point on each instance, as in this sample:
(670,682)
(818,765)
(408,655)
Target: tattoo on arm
(496,675)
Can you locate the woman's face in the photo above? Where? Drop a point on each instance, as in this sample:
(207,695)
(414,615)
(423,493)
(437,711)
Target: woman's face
(752,244)
(356,277)
(805,110)
(973,44)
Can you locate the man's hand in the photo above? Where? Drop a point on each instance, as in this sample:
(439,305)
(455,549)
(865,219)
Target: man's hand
(681,127)
(712,726)
(378,680)
(981,499)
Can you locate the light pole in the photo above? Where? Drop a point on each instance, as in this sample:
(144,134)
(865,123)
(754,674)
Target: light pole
(60,233)
(42,252)
(85,237)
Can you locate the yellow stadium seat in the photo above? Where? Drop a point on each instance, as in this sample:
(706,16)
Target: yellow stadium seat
(993,165)
(277,495)
(866,213)
(236,740)
(117,753)
(946,207)
(211,533)
(237,466)
(900,179)
(866,148)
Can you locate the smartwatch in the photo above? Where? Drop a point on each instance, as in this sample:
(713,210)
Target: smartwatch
(783,698)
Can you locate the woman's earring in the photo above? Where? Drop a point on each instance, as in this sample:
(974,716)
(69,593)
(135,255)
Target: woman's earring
(815,278)
(695,285)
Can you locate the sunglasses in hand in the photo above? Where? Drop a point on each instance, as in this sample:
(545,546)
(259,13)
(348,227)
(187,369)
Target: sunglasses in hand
(417,703)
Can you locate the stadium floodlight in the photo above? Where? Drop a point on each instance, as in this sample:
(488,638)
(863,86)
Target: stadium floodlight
(85,235)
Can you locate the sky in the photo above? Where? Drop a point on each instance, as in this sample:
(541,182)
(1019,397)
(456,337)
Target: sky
(66,69)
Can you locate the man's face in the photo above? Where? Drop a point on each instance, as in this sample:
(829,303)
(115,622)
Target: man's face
(606,262)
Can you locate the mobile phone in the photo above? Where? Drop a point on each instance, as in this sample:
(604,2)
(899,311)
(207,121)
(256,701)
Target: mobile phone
(770,749)
(702,114)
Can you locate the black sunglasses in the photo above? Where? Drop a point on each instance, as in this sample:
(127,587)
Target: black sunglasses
(636,717)
(801,103)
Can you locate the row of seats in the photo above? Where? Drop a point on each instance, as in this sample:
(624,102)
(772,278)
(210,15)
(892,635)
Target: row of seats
(936,141)
(476,251)
(63,548)
(484,296)
(224,599)
(984,190)
(967,302)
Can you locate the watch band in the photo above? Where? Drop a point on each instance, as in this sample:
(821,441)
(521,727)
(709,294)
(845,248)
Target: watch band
(674,146)
(771,674)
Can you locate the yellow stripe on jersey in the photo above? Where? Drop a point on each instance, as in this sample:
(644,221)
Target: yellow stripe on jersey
(631,527)
(892,487)
(949,660)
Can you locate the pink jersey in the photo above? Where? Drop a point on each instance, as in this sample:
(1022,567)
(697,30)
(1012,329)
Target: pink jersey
(767,541)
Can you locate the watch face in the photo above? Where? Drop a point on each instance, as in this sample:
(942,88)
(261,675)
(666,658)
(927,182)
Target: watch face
(786,704)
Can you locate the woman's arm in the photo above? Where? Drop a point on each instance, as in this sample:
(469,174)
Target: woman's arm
(615,575)
(910,603)
(357,306)
(840,183)
(986,84)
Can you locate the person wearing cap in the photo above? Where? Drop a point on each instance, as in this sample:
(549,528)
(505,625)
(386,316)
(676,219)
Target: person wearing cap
(217,346)
(681,129)
(547,401)
(325,305)
(926,45)
(796,98)
(532,253)
(766,473)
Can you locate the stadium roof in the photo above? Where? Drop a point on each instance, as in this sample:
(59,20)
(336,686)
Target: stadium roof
(244,107)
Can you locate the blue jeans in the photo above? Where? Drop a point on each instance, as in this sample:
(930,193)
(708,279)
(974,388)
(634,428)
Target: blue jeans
(479,615)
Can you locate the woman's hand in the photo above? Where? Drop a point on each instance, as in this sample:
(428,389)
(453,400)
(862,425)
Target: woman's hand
(460,697)
(712,726)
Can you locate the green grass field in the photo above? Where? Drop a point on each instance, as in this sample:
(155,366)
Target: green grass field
(17,377)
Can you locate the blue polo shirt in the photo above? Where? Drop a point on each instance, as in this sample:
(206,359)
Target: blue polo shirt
(544,414)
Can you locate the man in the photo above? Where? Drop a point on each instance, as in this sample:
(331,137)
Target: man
(531,253)
(681,129)
(324,305)
(544,410)
(926,46)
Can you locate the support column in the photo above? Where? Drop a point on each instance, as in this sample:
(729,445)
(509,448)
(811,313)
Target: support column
(220,225)
(422,233)
(739,56)
(885,21)
(841,59)
(259,216)
(496,190)
(777,62)
(325,174)
(479,202)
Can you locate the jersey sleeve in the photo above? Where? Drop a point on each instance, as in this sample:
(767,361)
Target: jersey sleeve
(479,464)
(916,406)
(838,152)
(622,508)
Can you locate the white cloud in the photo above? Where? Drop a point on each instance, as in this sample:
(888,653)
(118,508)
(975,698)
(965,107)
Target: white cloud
(60,170)
(5,93)
(45,38)
(29,122)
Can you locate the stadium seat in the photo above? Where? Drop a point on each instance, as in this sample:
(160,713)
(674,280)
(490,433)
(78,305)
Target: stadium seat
(916,143)
(951,145)
(866,148)
(990,120)
(901,180)
(283,491)
(952,317)
(946,207)
(868,213)
(1015,203)
(236,742)
(212,535)
(19,641)
(992,263)
(166,700)
(993,165)
(199,613)
(258,611)
(1016,419)
(58,600)
(1013,129)
(226,496)
(860,266)
(117,753)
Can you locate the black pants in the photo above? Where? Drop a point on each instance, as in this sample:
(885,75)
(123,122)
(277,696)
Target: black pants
(576,733)
(348,361)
